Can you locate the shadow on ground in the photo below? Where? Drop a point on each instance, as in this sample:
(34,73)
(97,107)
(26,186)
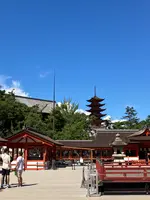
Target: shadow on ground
(124,193)
(24,185)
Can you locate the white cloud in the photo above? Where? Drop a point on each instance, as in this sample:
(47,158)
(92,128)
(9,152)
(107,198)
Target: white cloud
(108,117)
(83,111)
(44,74)
(14,86)
(59,104)
(79,110)
(118,120)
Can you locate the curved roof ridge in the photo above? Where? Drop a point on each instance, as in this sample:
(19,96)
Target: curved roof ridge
(138,133)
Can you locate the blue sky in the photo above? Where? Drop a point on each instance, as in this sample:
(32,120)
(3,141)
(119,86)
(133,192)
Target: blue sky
(87,42)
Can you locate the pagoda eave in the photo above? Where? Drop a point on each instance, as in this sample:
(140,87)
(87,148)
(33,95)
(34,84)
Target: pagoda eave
(96,110)
(96,99)
(98,115)
(95,105)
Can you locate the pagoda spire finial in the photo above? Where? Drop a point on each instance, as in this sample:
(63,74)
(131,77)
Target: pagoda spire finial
(95,91)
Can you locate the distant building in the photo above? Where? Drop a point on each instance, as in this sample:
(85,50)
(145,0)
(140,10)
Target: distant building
(45,106)
(96,111)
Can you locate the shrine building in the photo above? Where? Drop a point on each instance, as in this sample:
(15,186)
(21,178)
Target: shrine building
(39,149)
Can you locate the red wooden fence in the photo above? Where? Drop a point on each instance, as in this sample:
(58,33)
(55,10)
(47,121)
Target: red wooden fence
(123,173)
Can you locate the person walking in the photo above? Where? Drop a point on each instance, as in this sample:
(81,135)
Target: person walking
(73,164)
(81,161)
(19,168)
(6,166)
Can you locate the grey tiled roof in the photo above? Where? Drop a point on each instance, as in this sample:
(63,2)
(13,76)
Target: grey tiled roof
(45,106)
(138,133)
(77,143)
(99,130)
(103,138)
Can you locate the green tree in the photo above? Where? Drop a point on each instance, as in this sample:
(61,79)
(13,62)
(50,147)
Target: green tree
(34,119)
(15,115)
(147,120)
(11,113)
(70,124)
(144,123)
(131,118)
(119,125)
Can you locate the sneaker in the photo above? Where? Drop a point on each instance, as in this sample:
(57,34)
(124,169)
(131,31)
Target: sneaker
(8,186)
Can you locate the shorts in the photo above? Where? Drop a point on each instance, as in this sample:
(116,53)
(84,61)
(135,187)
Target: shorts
(19,173)
(5,172)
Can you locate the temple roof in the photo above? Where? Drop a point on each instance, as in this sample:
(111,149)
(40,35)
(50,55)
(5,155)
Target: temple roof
(98,114)
(96,105)
(96,109)
(140,138)
(45,106)
(140,132)
(77,143)
(103,138)
(36,133)
(95,98)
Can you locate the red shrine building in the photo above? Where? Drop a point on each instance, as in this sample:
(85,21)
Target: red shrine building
(39,149)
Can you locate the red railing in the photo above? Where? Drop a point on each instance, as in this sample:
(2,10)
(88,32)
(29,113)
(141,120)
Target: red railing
(35,166)
(123,173)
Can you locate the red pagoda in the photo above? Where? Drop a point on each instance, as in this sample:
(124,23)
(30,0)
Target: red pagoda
(96,110)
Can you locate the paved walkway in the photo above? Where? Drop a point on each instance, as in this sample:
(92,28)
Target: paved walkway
(62,184)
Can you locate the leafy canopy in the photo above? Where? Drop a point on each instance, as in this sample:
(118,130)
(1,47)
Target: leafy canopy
(131,121)
(69,124)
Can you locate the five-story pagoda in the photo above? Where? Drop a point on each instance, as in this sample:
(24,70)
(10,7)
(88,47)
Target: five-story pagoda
(96,109)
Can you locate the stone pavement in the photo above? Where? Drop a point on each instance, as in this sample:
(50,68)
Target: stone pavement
(62,184)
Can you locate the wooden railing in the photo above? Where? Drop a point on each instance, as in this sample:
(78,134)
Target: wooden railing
(123,173)
(32,166)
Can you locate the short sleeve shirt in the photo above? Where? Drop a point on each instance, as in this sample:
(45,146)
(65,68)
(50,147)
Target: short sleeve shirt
(6,161)
(20,161)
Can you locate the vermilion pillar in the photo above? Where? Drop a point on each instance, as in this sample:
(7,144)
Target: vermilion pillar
(45,154)
(91,155)
(25,156)
(60,154)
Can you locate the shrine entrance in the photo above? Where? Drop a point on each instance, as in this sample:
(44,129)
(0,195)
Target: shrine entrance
(143,151)
(141,154)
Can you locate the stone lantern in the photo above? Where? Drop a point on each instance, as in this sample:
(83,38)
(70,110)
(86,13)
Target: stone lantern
(118,144)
